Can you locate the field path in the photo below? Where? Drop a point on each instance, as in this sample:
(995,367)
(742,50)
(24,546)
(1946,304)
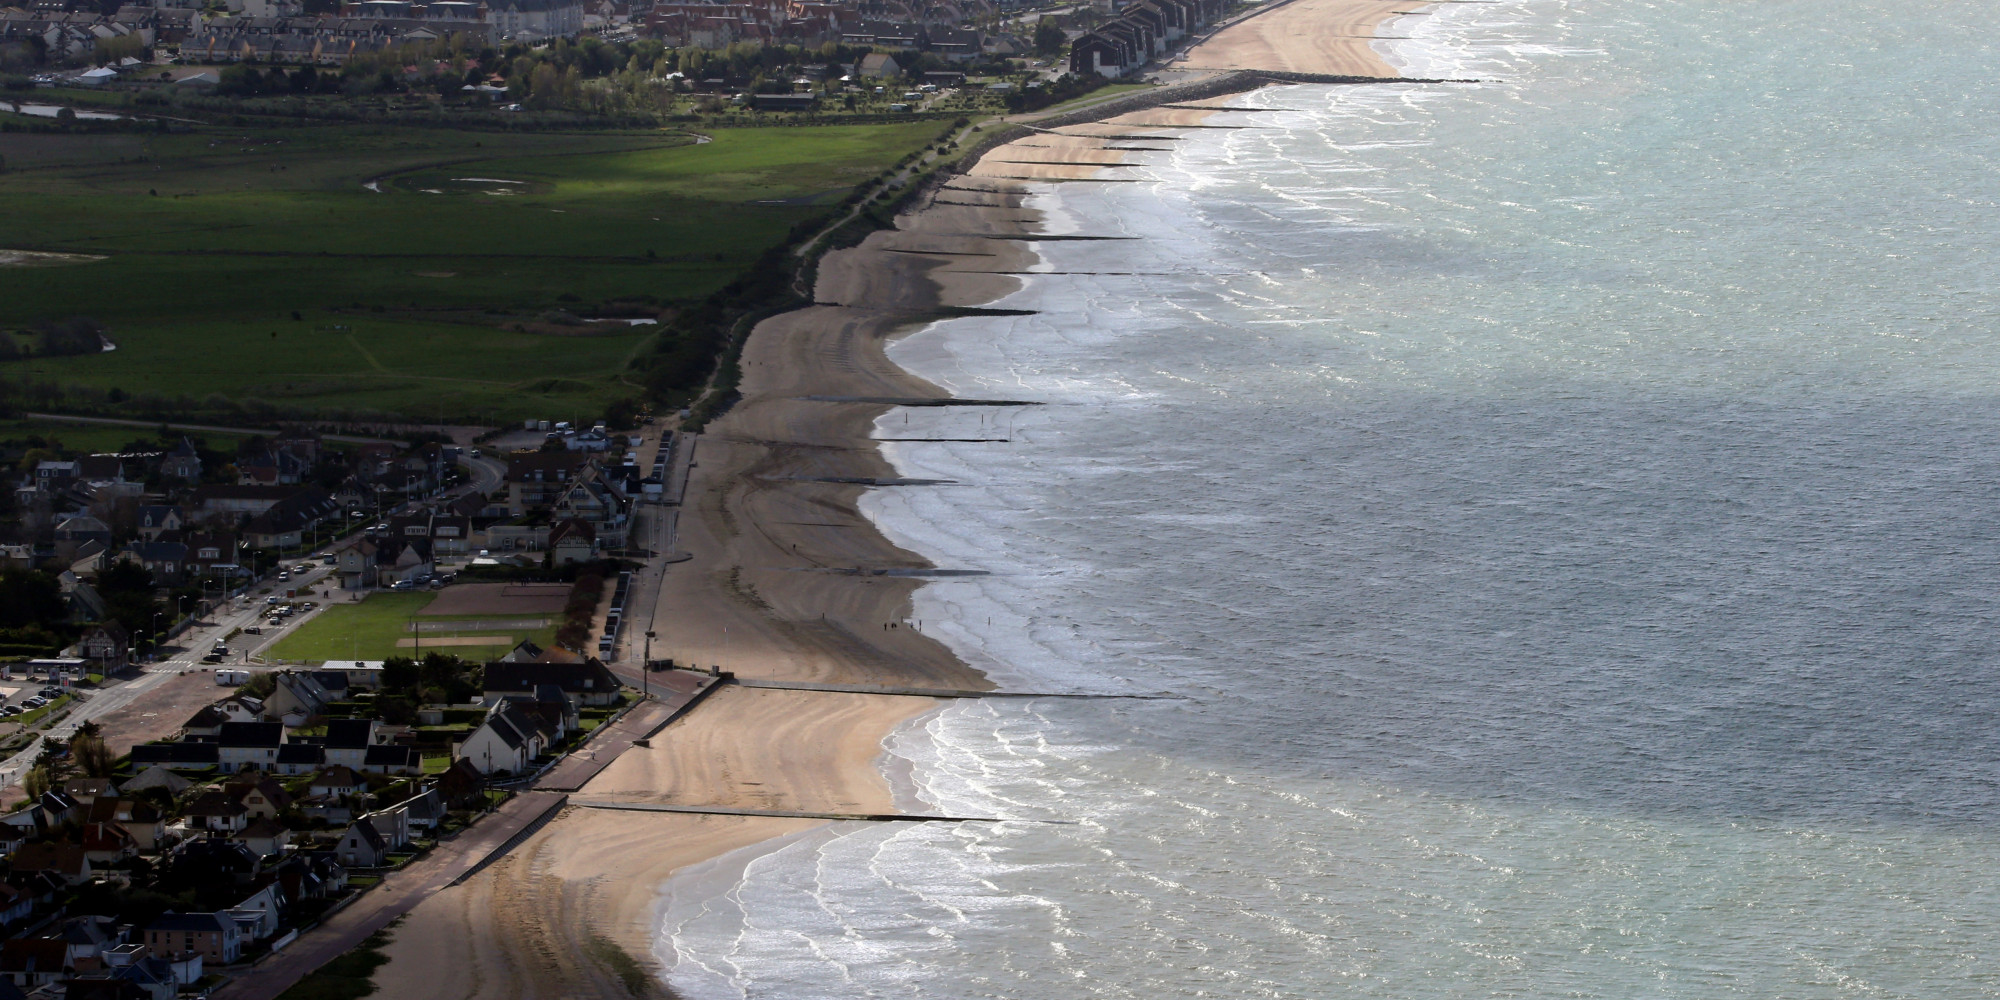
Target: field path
(363,351)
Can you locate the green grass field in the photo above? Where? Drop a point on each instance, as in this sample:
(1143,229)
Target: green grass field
(379,628)
(212,242)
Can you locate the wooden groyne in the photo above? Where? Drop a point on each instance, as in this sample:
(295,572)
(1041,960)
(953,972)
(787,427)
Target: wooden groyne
(802,813)
(928,692)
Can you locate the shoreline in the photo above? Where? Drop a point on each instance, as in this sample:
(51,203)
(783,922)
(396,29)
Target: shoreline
(780,588)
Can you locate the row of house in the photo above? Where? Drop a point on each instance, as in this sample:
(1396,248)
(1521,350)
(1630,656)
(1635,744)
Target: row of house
(569,505)
(77,511)
(533,699)
(1142,32)
(718,25)
(267,28)
(230,841)
(64,36)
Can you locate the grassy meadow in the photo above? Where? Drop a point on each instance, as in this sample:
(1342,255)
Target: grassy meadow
(252,263)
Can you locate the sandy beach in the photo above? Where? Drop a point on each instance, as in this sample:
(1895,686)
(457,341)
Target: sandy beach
(1332,37)
(780,585)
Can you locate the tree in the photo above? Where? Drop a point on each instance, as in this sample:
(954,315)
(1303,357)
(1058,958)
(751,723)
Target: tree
(127,590)
(93,756)
(29,597)
(1049,37)
(37,781)
(622,414)
(399,673)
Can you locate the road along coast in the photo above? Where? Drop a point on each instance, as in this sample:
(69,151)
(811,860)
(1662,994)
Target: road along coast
(789,581)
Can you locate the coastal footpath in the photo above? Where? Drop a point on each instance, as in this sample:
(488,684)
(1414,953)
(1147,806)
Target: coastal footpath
(789,582)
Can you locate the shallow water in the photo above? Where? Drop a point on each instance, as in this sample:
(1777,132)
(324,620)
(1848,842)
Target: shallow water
(1565,503)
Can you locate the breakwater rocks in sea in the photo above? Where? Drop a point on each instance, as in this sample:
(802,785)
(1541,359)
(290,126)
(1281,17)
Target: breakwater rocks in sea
(1235,82)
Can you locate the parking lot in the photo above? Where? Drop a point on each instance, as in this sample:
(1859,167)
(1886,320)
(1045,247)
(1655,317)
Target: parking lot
(24,692)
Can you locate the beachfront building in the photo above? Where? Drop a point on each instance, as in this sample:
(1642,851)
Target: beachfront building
(1143,31)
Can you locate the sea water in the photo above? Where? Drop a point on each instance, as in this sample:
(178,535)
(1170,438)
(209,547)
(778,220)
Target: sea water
(1564,508)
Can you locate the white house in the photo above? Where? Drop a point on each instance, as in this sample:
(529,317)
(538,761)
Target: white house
(535,18)
(257,917)
(347,742)
(507,742)
(361,846)
(248,744)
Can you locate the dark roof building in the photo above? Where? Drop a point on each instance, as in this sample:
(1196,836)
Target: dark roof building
(586,683)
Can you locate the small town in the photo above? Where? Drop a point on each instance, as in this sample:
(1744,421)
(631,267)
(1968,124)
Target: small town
(692,56)
(193,779)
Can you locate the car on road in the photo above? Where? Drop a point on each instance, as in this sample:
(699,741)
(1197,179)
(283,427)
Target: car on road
(275,622)
(273,599)
(253,630)
(212,658)
(284,576)
(220,650)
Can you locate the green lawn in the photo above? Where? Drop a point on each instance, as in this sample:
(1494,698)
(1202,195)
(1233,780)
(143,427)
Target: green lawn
(212,241)
(379,628)
(1097,96)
